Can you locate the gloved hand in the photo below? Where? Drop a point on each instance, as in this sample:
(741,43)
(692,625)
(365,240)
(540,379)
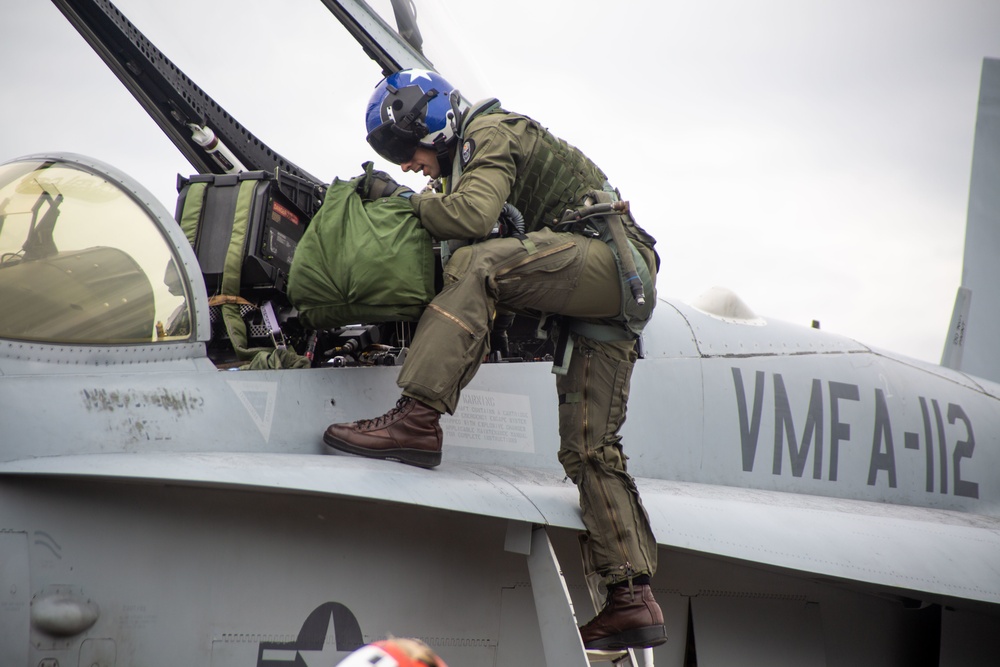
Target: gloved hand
(377,184)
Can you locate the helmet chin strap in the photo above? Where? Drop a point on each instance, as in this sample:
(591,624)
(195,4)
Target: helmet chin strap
(443,153)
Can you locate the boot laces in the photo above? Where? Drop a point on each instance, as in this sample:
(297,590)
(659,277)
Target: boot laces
(607,599)
(384,420)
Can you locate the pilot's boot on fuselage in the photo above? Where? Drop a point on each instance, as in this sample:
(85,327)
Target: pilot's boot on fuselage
(631,618)
(409,433)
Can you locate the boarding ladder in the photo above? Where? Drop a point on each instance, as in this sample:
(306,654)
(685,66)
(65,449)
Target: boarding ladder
(557,621)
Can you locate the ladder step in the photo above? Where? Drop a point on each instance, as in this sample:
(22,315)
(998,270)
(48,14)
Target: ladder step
(598,655)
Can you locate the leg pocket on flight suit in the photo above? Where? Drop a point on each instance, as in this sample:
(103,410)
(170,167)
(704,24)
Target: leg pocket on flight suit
(458,265)
(541,281)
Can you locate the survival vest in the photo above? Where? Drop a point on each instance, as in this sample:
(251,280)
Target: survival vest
(557,176)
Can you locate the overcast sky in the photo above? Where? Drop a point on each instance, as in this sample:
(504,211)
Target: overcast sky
(812,156)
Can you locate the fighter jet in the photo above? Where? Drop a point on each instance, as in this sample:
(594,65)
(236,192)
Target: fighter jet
(817,501)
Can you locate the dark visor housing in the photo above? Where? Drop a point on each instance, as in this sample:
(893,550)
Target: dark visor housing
(394,146)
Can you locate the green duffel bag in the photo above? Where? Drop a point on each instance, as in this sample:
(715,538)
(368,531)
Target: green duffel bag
(361,262)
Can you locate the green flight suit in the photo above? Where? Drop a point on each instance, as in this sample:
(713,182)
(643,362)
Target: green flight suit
(548,273)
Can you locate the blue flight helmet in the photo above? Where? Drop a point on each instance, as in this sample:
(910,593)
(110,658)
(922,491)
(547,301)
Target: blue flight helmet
(411,108)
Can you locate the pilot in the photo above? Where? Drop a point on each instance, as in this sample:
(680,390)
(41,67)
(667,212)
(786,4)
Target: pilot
(488,156)
(393,652)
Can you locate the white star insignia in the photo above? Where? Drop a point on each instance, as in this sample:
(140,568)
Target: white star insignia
(420,74)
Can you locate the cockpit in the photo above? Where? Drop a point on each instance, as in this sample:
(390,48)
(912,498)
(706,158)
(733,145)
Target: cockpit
(91,262)
(84,259)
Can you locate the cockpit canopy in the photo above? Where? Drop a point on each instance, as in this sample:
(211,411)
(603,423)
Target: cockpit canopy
(82,260)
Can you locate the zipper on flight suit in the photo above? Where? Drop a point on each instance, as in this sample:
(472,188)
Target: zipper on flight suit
(532,257)
(587,352)
(444,313)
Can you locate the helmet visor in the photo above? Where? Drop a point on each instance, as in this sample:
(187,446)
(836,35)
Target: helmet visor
(390,145)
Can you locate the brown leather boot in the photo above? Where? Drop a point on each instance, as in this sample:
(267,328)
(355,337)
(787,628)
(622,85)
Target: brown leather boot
(409,433)
(630,619)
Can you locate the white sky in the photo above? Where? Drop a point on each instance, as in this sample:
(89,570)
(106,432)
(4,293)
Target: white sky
(813,156)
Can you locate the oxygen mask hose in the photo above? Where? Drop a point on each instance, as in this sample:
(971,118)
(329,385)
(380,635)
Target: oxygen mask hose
(614,212)
(625,251)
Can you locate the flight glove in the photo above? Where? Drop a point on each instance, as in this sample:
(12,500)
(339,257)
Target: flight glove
(377,184)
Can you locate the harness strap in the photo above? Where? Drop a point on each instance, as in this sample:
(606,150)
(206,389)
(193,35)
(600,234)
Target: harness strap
(562,327)
(194,201)
(606,333)
(233,267)
(563,349)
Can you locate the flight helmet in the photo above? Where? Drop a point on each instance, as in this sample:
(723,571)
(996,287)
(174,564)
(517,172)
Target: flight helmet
(389,653)
(410,108)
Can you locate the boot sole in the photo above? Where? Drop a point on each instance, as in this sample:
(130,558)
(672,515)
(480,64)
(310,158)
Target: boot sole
(644,637)
(413,457)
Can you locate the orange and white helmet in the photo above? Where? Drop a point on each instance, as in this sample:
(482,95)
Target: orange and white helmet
(386,654)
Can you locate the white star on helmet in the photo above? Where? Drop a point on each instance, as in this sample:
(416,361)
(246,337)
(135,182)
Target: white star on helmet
(420,74)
